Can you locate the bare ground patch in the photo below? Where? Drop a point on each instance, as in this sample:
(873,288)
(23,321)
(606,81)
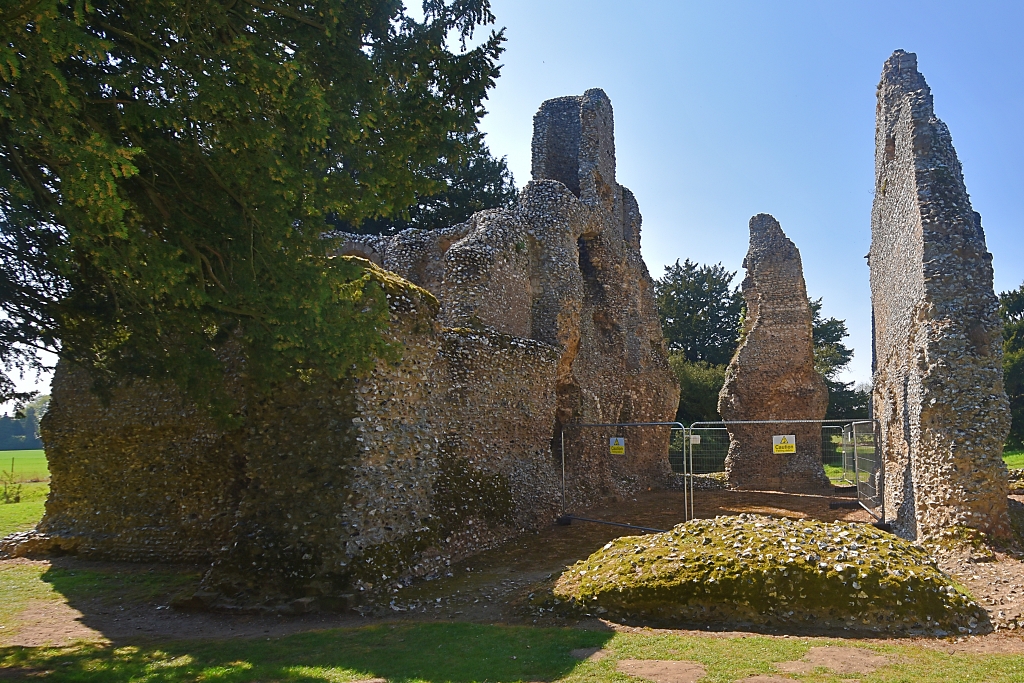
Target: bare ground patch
(842,660)
(49,622)
(493,587)
(662,671)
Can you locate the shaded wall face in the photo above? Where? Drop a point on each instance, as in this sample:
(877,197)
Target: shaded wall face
(147,478)
(938,395)
(403,471)
(546,316)
(330,486)
(557,131)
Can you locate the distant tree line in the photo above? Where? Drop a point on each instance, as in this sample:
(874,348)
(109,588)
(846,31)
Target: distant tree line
(21,431)
(1011,309)
(701,315)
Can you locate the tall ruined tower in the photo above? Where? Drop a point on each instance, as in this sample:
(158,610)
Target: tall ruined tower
(938,384)
(772,375)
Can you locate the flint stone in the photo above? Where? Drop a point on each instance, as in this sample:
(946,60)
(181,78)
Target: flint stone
(772,375)
(938,396)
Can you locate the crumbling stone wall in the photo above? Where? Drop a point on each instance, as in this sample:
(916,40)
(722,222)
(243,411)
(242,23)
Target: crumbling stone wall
(148,477)
(772,375)
(512,324)
(563,268)
(938,389)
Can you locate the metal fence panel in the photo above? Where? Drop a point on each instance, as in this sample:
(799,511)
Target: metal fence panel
(867,467)
(709,445)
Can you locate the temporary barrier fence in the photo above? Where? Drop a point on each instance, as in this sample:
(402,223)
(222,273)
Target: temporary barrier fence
(861,461)
(609,435)
(697,455)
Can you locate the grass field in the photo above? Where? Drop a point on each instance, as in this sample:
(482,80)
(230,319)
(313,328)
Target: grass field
(28,465)
(1014,459)
(464,653)
(26,514)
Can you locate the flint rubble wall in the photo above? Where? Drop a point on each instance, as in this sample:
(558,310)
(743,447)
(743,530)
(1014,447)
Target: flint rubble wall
(513,324)
(938,397)
(772,375)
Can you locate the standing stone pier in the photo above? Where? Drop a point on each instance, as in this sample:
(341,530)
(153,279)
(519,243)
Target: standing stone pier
(938,383)
(772,375)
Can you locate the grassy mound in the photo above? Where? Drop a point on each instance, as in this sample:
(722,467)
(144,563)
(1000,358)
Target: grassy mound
(763,570)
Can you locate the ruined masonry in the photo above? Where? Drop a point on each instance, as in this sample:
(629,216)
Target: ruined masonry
(513,324)
(938,387)
(772,375)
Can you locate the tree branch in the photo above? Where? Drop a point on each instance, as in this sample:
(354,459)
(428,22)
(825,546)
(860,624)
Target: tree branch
(287,13)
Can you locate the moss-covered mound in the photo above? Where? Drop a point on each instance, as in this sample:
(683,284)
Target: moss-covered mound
(762,570)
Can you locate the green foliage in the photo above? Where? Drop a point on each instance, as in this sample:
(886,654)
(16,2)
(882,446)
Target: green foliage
(1011,310)
(167,167)
(21,432)
(831,357)
(10,489)
(700,311)
(470,184)
(1014,459)
(699,384)
(701,317)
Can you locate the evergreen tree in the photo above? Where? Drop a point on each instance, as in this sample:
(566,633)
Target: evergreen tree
(699,385)
(467,185)
(1011,309)
(167,168)
(831,357)
(700,311)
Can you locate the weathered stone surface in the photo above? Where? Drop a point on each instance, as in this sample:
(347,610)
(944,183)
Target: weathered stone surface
(564,268)
(938,387)
(772,375)
(753,569)
(512,324)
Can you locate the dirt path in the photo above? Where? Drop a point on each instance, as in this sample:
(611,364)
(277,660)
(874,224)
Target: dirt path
(494,586)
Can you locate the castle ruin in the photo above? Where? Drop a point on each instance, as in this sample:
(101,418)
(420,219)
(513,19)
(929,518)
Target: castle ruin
(513,324)
(938,397)
(772,375)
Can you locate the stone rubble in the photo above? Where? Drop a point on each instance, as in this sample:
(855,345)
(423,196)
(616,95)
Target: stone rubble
(753,569)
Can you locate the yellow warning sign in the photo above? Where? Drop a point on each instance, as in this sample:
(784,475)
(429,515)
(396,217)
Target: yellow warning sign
(784,444)
(617,445)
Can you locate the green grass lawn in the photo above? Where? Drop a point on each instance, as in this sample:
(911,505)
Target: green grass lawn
(464,653)
(28,465)
(408,652)
(1014,459)
(26,514)
(833,472)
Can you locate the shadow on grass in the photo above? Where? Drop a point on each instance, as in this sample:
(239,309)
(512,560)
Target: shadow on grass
(397,652)
(82,582)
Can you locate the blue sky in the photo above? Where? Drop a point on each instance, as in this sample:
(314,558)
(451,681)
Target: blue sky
(727,109)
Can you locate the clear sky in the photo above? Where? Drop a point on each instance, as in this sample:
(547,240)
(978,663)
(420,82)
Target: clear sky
(727,109)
